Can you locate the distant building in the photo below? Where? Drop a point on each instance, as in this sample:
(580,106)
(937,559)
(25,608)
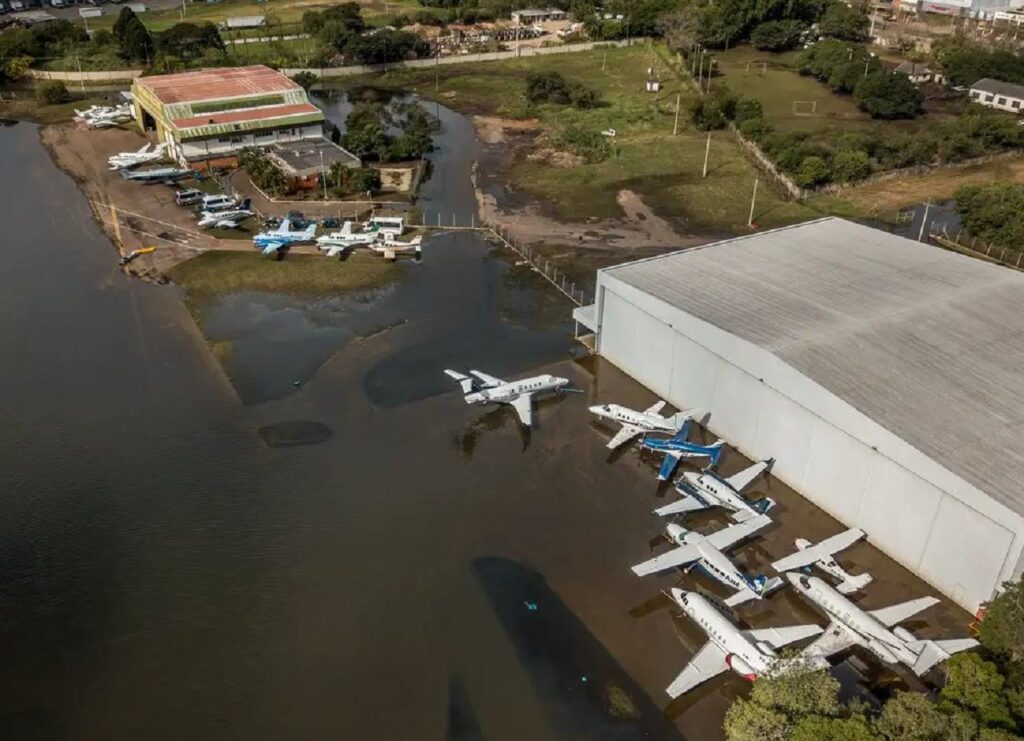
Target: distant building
(918,73)
(303,161)
(28,18)
(208,116)
(996,94)
(529,16)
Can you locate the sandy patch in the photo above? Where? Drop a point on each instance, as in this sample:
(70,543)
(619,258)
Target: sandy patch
(493,129)
(556,158)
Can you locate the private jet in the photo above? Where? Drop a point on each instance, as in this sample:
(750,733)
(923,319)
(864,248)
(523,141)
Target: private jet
(146,154)
(822,554)
(874,629)
(677,447)
(749,653)
(706,489)
(273,240)
(635,423)
(480,388)
(157,174)
(102,117)
(705,552)
(231,219)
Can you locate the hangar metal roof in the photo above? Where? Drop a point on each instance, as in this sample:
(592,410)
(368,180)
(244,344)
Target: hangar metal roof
(927,343)
(217,84)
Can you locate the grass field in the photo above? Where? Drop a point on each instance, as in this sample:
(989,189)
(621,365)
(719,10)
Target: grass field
(665,170)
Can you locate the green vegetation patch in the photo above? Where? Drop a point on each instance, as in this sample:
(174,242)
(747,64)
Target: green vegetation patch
(230,105)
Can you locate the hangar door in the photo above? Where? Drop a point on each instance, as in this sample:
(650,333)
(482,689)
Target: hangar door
(637,342)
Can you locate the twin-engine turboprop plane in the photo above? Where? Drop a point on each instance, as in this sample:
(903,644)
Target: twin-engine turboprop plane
(480,388)
(678,447)
(635,423)
(706,489)
(822,555)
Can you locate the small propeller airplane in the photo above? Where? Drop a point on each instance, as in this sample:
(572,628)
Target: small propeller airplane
(158,174)
(873,629)
(705,552)
(749,653)
(822,555)
(480,388)
(227,219)
(635,423)
(677,447)
(706,489)
(274,239)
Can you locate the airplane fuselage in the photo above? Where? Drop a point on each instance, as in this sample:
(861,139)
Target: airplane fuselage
(678,448)
(868,630)
(712,561)
(510,391)
(715,491)
(626,416)
(741,655)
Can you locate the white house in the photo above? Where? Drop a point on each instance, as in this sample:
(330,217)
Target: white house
(997,94)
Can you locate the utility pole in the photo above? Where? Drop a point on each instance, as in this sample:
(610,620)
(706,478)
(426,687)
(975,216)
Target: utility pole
(700,70)
(437,69)
(924,220)
(675,126)
(323,175)
(184,10)
(707,151)
(711,62)
(604,61)
(81,79)
(753,201)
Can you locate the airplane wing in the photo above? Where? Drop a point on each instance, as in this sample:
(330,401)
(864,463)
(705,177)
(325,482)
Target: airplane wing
(486,380)
(743,479)
(668,465)
(523,404)
(824,549)
(835,639)
(722,539)
(898,613)
(707,663)
(782,637)
(676,557)
(688,503)
(624,435)
(655,408)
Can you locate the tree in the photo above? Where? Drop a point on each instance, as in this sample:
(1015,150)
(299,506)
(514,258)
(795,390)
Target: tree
(366,130)
(975,685)
(748,721)
(546,87)
(888,95)
(994,213)
(842,21)
(1002,629)
(747,109)
(777,35)
(910,716)
(190,40)
(812,171)
(53,92)
(304,79)
(345,181)
(679,28)
(849,166)
(385,46)
(823,728)
(133,37)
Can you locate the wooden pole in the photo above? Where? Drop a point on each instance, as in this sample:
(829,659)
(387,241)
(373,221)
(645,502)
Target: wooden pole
(753,201)
(707,151)
(675,126)
(924,220)
(117,226)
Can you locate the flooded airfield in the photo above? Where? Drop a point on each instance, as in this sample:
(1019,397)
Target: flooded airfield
(422,569)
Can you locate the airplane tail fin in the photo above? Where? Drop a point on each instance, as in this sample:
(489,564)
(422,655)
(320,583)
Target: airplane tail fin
(246,205)
(717,448)
(763,504)
(679,418)
(465,382)
(854,583)
(683,432)
(931,653)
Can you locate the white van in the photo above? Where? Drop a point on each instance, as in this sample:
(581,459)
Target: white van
(387,226)
(219,202)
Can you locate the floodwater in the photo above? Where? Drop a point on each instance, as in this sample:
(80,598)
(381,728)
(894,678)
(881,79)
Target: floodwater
(177,564)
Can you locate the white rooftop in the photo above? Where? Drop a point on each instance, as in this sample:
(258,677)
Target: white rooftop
(928,343)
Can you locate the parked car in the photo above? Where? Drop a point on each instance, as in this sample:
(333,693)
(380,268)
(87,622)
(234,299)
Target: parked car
(188,197)
(218,202)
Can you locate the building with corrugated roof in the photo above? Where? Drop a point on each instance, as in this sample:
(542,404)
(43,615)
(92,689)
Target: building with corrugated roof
(883,375)
(998,94)
(208,116)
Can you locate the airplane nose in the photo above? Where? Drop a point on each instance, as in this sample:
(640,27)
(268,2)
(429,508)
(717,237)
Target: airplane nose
(793,578)
(677,593)
(597,410)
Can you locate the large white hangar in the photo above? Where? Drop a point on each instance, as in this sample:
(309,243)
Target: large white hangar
(886,377)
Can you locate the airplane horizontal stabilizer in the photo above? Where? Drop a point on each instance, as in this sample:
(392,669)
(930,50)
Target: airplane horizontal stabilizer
(465,382)
(932,652)
(854,584)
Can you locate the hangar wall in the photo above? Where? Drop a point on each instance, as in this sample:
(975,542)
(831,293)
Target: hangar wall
(931,521)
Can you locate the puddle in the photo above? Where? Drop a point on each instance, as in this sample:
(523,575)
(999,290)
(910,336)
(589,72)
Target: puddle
(297,432)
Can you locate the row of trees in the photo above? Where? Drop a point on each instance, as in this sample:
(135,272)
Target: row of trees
(341,30)
(19,47)
(182,41)
(965,62)
(982,700)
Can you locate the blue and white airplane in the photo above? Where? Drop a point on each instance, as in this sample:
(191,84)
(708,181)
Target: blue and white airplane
(678,447)
(274,239)
(708,489)
(705,552)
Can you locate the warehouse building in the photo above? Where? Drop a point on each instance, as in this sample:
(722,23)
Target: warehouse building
(883,375)
(208,116)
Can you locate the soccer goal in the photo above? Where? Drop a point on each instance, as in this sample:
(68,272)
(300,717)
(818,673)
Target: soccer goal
(805,107)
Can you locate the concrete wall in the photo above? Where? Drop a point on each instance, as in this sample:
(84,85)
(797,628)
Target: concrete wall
(931,521)
(197,149)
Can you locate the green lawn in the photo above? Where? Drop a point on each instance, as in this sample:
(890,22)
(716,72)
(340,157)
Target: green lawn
(665,170)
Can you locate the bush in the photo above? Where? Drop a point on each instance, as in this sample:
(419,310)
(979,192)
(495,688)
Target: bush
(346,181)
(304,79)
(53,92)
(777,35)
(849,166)
(812,171)
(842,21)
(888,95)
(755,129)
(586,142)
(712,111)
(747,108)
(551,87)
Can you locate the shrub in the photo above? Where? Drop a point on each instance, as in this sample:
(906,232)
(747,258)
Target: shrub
(551,87)
(747,108)
(812,171)
(588,143)
(888,95)
(849,166)
(346,181)
(53,92)
(777,35)
(712,111)
(755,129)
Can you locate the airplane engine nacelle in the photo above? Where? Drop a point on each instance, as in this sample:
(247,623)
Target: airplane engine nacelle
(903,634)
(883,652)
(741,667)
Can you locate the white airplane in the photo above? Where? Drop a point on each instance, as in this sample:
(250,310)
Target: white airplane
(227,219)
(485,389)
(706,489)
(749,653)
(873,628)
(272,240)
(821,555)
(139,157)
(345,238)
(390,247)
(635,423)
(705,553)
(100,117)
